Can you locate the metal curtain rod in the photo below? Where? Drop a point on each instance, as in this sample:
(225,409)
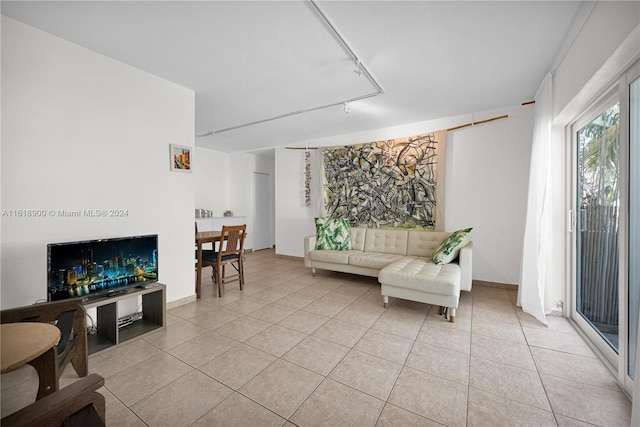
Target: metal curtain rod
(446,130)
(477,123)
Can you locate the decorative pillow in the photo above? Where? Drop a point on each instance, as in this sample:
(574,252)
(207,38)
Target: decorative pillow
(333,234)
(450,247)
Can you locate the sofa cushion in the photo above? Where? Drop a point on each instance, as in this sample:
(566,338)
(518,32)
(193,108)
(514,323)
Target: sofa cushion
(333,234)
(448,250)
(422,274)
(357,238)
(335,257)
(388,241)
(423,243)
(375,260)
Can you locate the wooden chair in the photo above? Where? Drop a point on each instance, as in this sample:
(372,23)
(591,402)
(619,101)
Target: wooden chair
(78,404)
(69,317)
(208,257)
(230,252)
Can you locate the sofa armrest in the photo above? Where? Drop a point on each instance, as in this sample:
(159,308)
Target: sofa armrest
(309,245)
(465,261)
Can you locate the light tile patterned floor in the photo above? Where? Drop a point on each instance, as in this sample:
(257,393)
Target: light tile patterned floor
(292,349)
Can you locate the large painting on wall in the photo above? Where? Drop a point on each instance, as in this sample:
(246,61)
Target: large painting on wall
(388,183)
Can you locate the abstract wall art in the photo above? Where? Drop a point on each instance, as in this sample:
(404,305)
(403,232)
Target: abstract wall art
(388,183)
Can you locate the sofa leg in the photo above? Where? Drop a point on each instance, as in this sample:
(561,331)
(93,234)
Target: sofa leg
(313,271)
(452,315)
(385,300)
(441,310)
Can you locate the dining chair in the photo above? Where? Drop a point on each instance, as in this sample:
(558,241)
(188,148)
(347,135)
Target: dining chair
(69,317)
(78,404)
(230,252)
(208,256)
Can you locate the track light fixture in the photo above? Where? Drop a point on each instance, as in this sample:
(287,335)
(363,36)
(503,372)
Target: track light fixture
(358,69)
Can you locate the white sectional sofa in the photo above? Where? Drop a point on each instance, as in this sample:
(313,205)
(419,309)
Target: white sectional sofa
(401,260)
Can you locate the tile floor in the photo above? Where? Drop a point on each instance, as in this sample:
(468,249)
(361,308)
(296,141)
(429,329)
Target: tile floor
(292,349)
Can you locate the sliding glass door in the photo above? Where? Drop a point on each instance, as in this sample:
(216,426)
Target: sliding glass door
(606,217)
(598,209)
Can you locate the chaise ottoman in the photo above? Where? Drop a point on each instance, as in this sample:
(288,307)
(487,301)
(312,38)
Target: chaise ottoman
(419,279)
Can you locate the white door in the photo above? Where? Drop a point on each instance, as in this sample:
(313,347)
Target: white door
(262,207)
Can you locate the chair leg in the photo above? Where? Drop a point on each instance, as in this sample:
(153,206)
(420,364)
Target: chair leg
(219,281)
(241,272)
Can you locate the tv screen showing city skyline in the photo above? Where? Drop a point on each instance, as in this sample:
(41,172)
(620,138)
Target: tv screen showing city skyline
(95,267)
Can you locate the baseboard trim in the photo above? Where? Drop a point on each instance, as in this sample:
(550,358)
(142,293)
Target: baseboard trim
(297,258)
(181,301)
(487,284)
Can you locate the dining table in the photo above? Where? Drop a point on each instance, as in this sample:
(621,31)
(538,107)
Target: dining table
(32,343)
(203,237)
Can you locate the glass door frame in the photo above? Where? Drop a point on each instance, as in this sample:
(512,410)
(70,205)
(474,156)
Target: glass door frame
(618,91)
(609,98)
(631,74)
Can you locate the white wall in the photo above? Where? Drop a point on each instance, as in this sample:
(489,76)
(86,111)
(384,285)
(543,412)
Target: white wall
(224,181)
(487,169)
(211,179)
(82,131)
(487,183)
(294,219)
(601,48)
(241,167)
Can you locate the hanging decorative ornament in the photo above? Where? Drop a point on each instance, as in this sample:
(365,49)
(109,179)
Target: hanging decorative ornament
(307,178)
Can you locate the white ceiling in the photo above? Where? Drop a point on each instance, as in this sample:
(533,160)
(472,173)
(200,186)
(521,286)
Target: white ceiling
(252,61)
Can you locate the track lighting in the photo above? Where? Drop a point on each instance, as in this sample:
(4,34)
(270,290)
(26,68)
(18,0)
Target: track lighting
(358,69)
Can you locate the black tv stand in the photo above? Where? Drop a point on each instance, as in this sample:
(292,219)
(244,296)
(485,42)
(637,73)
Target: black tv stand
(107,332)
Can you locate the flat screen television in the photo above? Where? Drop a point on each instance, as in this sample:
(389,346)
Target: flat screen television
(101,267)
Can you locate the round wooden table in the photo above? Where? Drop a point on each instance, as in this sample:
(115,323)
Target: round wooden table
(23,342)
(33,343)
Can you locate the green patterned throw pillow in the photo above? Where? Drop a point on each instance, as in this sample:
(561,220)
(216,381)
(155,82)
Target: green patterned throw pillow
(333,234)
(450,247)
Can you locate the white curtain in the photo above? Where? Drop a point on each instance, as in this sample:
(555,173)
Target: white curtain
(533,291)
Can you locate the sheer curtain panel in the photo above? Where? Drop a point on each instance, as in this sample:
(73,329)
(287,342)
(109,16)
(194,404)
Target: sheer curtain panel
(533,295)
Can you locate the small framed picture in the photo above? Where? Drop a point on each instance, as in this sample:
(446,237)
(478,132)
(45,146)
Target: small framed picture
(180,157)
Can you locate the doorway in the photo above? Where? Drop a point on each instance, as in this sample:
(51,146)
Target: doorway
(262,211)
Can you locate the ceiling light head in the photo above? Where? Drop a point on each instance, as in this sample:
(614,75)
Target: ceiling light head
(358,69)
(346,108)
